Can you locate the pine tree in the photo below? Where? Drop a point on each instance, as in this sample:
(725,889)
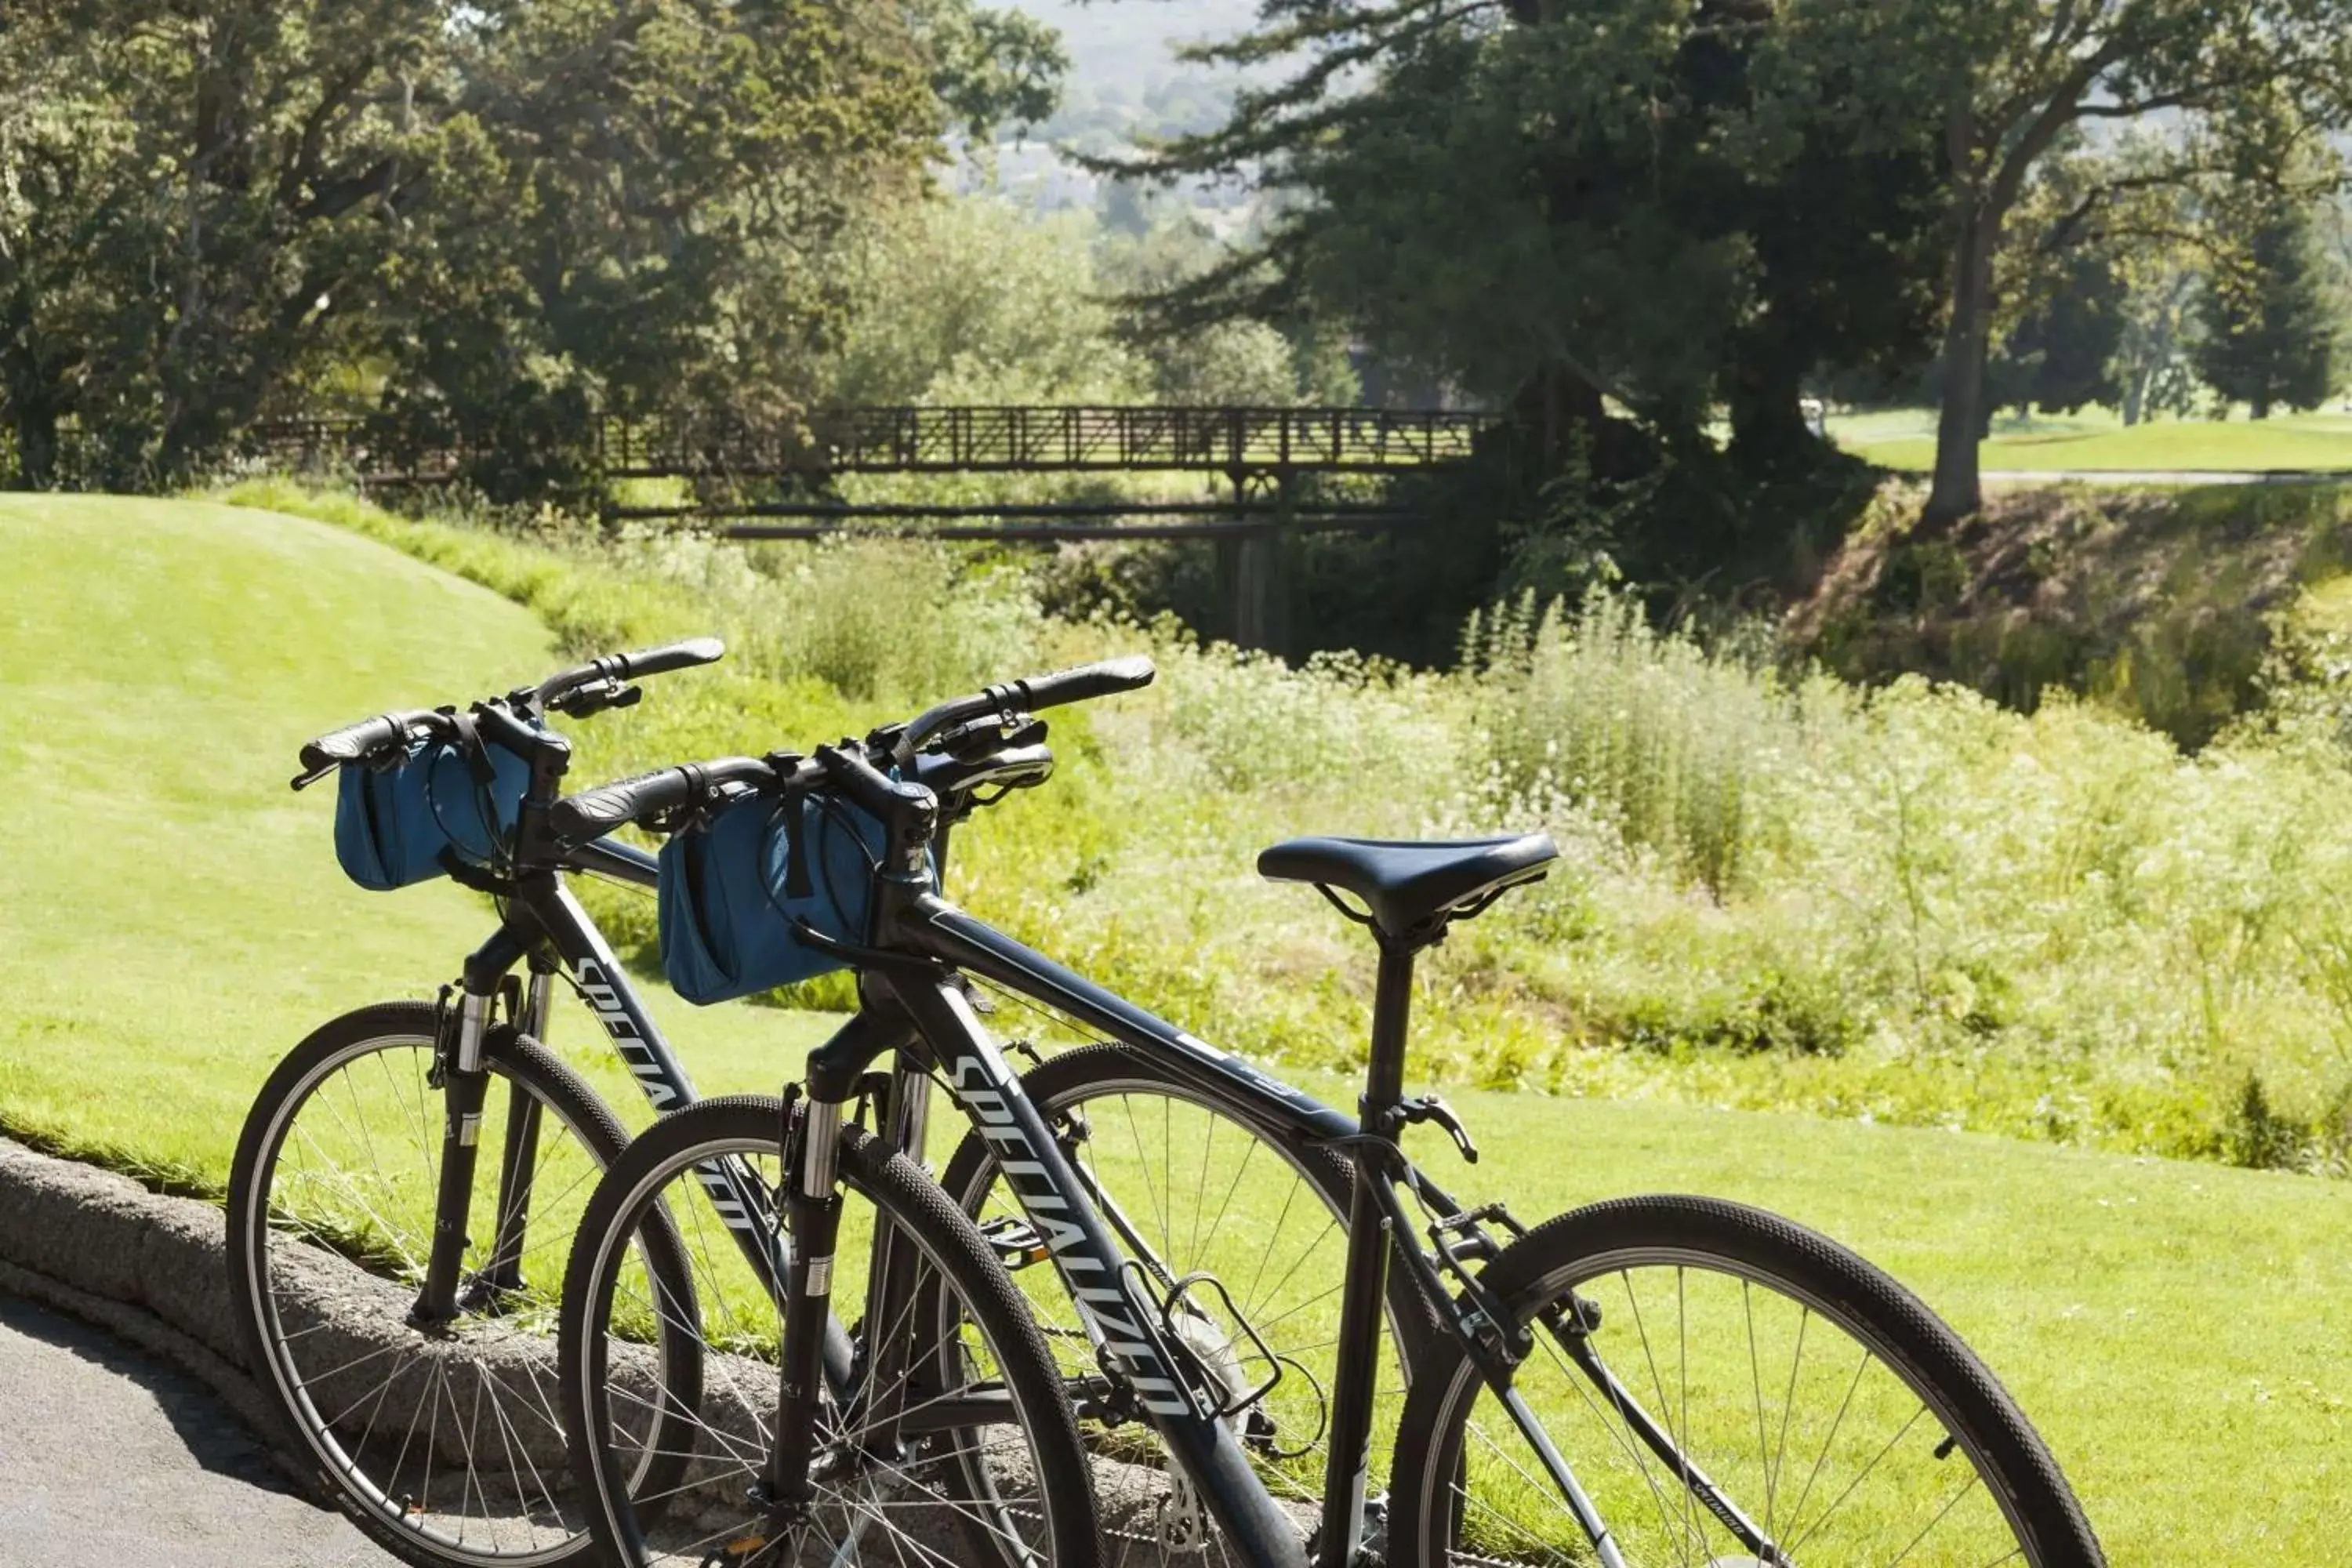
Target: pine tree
(2271,326)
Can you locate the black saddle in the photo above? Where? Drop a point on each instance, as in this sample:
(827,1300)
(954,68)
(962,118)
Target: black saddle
(1414,889)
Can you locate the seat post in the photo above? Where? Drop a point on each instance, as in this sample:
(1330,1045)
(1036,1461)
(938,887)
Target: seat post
(1391,1006)
(1359,1335)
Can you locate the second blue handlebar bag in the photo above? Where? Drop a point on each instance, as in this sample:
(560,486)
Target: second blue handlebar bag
(726,906)
(409,823)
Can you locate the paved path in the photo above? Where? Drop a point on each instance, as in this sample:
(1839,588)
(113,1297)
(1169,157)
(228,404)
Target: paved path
(110,1458)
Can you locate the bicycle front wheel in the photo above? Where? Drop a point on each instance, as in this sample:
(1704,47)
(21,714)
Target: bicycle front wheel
(953,1437)
(1709,1386)
(441,1441)
(1257,1218)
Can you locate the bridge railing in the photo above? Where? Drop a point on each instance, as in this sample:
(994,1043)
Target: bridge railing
(1059,439)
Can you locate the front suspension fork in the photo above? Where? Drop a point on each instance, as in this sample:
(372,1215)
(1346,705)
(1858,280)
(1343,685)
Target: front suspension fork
(464,1074)
(519,1160)
(813,1211)
(464,1084)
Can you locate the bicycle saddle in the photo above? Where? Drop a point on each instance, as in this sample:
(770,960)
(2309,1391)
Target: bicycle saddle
(1414,887)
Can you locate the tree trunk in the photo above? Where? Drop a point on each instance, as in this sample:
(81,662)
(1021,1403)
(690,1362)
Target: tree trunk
(35,429)
(1958,489)
(2136,382)
(2261,405)
(1769,432)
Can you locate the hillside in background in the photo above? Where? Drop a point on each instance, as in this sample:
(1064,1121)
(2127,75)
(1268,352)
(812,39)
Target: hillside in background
(1126,44)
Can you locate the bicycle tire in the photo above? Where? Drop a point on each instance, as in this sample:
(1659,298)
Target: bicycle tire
(311,1279)
(1580,1255)
(730,1445)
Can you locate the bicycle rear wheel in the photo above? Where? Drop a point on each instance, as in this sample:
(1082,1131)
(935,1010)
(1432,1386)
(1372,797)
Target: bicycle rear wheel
(443,1443)
(970,1447)
(1726,1389)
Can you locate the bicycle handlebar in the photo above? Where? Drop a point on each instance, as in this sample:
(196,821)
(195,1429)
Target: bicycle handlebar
(623,667)
(1086,682)
(851,768)
(357,742)
(1039,691)
(594,813)
(599,684)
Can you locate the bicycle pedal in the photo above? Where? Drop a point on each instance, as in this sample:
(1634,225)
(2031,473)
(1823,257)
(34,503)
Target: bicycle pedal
(1014,1241)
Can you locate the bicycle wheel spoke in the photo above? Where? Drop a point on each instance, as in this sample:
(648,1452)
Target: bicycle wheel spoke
(449,1432)
(1841,1460)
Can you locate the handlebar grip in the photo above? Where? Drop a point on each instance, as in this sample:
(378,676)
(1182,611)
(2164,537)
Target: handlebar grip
(594,813)
(676,656)
(353,742)
(1086,682)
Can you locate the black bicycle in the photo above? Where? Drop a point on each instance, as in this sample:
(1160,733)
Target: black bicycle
(395,1290)
(1212,1255)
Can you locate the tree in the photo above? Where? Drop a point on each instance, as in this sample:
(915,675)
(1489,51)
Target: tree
(511,213)
(972,294)
(637,208)
(2060,357)
(1555,208)
(2008,80)
(201,184)
(2270,323)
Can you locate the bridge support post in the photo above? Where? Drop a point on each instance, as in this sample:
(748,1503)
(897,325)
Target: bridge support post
(1253,568)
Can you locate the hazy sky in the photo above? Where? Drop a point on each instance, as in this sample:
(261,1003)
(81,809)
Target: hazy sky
(1128,39)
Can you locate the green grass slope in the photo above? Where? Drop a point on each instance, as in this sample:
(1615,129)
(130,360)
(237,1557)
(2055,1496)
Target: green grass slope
(171,918)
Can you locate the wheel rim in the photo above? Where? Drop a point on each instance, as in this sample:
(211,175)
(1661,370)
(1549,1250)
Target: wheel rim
(893,1510)
(454,1440)
(1805,1420)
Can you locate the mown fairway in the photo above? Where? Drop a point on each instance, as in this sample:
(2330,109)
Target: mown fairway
(2048,444)
(172,919)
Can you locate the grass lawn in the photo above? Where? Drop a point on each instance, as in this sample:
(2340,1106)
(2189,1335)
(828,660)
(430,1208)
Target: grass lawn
(172,919)
(1904,438)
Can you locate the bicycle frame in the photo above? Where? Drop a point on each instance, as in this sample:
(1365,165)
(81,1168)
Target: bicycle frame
(915,1005)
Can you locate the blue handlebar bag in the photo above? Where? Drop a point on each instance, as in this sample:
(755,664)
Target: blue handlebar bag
(407,824)
(729,898)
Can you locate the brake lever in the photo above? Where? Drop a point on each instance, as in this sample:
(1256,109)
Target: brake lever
(304,781)
(585,702)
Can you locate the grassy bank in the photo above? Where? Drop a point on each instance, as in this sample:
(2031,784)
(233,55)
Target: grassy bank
(2164,604)
(1906,905)
(172,919)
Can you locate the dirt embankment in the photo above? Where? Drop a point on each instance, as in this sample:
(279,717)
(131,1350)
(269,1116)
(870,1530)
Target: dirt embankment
(2164,603)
